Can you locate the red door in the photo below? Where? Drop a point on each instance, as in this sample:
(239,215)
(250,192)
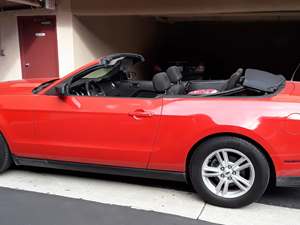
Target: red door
(97,130)
(38,45)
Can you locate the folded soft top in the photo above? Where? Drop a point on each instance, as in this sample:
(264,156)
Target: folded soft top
(262,80)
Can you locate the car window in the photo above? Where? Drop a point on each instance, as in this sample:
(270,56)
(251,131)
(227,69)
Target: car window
(98,73)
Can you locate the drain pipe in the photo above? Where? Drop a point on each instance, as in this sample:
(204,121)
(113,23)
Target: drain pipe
(1,39)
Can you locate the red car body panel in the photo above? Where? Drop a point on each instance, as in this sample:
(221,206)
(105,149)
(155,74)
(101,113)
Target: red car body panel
(185,121)
(94,130)
(147,133)
(20,86)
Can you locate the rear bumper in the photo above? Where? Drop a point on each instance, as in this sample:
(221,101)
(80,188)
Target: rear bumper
(287,166)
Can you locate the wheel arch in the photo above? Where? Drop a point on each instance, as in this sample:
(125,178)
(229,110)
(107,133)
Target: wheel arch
(4,137)
(230,134)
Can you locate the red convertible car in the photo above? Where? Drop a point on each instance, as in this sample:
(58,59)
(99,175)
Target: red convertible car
(229,138)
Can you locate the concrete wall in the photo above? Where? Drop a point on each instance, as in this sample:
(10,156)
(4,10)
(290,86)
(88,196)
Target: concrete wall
(80,39)
(95,37)
(10,64)
(98,36)
(179,7)
(64,19)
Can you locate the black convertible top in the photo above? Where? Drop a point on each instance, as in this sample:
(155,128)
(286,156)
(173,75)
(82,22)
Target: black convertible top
(263,81)
(135,58)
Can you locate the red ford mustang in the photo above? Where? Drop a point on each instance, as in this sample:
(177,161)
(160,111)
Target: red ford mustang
(229,138)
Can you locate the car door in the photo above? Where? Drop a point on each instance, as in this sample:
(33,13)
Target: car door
(99,130)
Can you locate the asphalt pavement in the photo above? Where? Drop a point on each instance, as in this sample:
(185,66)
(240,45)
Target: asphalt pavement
(28,208)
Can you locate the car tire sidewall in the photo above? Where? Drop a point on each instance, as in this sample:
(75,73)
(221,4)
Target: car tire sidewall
(5,157)
(261,167)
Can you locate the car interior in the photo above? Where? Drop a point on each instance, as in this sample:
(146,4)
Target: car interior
(113,79)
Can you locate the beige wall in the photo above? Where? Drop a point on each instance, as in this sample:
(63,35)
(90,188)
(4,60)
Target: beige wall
(80,39)
(64,19)
(10,64)
(98,36)
(83,37)
(180,7)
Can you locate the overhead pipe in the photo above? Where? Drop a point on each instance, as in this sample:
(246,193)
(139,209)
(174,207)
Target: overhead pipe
(33,3)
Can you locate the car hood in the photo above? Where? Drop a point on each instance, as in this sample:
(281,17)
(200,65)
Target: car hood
(21,86)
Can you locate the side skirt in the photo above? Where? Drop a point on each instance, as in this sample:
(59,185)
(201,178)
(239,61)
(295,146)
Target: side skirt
(288,182)
(92,168)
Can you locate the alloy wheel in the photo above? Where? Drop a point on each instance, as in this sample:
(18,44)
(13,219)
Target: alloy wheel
(228,173)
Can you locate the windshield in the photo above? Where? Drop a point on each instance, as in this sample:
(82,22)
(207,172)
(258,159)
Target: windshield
(98,73)
(43,86)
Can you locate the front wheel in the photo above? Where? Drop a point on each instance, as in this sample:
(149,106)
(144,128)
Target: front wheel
(229,172)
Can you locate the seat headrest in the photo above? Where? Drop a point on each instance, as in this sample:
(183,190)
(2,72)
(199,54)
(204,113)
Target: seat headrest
(174,74)
(234,80)
(161,82)
(239,72)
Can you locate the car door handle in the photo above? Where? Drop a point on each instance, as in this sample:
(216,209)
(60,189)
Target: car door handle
(140,113)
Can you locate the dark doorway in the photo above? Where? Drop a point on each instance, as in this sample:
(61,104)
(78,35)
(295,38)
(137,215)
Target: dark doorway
(38,45)
(225,46)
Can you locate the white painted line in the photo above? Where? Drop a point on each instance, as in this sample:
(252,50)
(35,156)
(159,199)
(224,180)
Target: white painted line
(111,192)
(144,197)
(255,214)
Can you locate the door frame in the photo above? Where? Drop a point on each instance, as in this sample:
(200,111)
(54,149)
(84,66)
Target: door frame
(22,54)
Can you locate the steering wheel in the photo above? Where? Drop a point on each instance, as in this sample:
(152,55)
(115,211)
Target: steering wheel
(93,89)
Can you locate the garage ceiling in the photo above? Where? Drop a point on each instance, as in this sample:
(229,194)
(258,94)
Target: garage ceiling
(272,16)
(6,5)
(179,7)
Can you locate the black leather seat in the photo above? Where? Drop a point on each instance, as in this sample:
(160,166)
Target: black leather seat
(175,76)
(161,83)
(233,80)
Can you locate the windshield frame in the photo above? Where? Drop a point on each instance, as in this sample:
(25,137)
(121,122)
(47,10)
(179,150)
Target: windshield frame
(43,86)
(79,76)
(107,61)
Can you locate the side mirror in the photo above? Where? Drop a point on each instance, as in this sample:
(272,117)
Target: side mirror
(61,91)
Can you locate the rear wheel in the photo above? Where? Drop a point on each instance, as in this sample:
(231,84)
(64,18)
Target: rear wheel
(229,172)
(5,157)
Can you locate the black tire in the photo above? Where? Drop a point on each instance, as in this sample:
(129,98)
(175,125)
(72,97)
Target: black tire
(5,157)
(259,162)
